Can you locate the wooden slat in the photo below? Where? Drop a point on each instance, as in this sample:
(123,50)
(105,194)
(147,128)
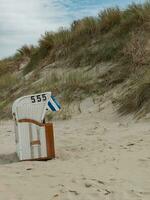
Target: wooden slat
(49,137)
(35,142)
(31,121)
(50,140)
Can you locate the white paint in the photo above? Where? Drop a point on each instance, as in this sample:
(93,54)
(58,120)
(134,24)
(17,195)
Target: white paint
(28,107)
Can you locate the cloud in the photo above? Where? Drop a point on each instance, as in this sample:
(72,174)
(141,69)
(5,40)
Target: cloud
(23,21)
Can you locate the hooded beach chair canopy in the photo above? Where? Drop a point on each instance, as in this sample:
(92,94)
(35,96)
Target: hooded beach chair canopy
(35,106)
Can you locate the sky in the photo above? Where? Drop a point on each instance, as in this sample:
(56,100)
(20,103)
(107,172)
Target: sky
(24,21)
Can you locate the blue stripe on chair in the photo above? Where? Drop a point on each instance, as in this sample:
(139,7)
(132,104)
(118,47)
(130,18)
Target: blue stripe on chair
(51,106)
(58,105)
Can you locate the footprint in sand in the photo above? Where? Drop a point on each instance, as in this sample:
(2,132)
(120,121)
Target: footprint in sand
(63,155)
(133,195)
(66,195)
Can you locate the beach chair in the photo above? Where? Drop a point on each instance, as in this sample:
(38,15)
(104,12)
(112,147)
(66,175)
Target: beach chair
(34,137)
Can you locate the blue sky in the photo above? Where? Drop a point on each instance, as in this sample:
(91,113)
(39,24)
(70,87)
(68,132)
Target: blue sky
(24,21)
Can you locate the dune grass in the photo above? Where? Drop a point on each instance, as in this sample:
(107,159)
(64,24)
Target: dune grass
(114,35)
(27,50)
(71,86)
(137,96)
(7,81)
(109,18)
(109,29)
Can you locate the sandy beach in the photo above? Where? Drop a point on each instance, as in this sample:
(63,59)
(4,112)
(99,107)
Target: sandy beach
(99,156)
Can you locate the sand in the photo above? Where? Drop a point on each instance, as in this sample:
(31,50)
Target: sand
(100,156)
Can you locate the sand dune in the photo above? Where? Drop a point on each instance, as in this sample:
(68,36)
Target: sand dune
(99,156)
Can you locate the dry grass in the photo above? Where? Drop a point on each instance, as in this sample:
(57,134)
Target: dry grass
(109,18)
(88,25)
(71,86)
(135,49)
(137,96)
(27,50)
(135,16)
(7,81)
(115,35)
(118,25)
